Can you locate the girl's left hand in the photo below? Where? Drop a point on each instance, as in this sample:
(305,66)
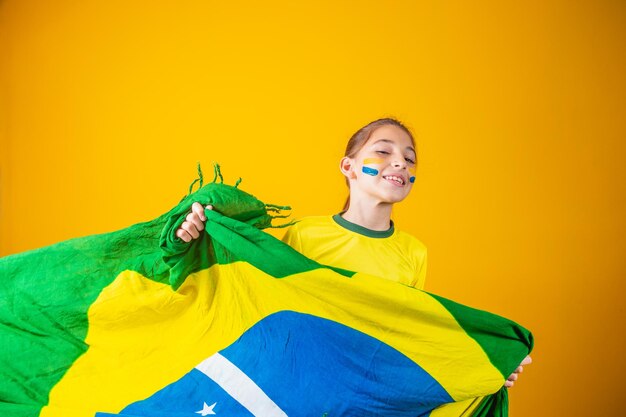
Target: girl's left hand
(511,380)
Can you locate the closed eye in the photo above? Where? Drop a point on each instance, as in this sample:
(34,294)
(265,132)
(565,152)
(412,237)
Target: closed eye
(410,161)
(383,152)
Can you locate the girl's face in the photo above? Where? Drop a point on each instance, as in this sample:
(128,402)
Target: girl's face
(384,168)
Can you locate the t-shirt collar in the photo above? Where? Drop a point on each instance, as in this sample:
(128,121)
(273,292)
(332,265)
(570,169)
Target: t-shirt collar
(353,227)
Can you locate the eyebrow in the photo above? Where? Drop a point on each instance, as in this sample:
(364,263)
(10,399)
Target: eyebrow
(410,148)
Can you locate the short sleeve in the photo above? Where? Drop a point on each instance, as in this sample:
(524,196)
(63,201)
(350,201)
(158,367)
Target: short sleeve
(292,238)
(420,276)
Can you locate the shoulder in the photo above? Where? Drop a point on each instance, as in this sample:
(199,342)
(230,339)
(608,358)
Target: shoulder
(411,245)
(311,224)
(307,229)
(410,240)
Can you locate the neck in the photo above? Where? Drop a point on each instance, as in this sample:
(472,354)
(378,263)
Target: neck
(369,214)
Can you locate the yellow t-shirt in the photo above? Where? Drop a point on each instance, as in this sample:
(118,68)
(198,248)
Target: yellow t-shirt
(334,241)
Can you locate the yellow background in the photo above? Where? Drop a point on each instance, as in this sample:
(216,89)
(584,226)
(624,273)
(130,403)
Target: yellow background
(518,110)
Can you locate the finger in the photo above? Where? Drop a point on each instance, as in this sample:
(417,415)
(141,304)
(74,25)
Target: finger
(191,229)
(509,384)
(193,218)
(527,360)
(210,207)
(513,377)
(181,233)
(198,210)
(519,369)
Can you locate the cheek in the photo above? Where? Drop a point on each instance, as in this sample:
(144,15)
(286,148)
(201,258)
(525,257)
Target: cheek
(372,161)
(412,175)
(368,169)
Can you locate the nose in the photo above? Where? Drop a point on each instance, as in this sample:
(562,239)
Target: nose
(399,161)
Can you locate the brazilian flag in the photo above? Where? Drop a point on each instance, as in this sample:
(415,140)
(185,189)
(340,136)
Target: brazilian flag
(138,323)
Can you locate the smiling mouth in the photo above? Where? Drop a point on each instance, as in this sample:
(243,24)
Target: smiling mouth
(395,179)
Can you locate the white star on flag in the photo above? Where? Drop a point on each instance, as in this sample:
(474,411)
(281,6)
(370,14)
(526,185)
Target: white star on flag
(206,410)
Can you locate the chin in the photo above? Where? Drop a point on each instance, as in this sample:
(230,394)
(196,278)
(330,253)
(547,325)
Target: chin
(394,199)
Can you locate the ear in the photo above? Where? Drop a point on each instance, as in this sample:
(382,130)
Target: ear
(346,165)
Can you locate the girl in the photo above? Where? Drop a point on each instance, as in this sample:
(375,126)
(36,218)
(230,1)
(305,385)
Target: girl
(379,166)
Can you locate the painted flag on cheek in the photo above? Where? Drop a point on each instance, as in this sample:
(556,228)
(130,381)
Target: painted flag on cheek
(139,323)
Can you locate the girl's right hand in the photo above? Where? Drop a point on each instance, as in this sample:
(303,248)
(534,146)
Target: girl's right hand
(193,224)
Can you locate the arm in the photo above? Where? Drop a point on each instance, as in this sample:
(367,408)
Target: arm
(419,284)
(420,276)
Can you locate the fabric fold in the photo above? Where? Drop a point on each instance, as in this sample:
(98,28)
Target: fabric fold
(138,323)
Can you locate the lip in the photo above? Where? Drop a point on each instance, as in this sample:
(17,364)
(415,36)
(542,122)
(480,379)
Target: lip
(404,179)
